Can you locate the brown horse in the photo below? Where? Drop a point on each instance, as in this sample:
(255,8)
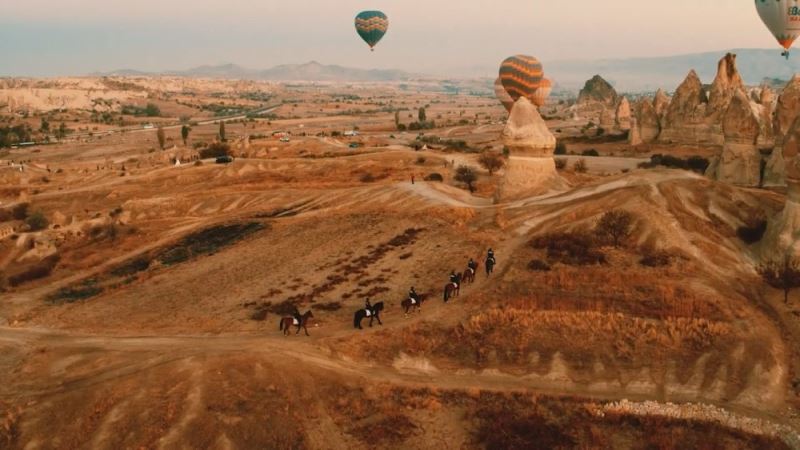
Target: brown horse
(452,289)
(409,305)
(287,322)
(469,274)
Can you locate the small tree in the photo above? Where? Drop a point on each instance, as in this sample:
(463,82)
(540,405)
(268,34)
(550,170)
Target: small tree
(162,138)
(45,127)
(222,132)
(397,119)
(615,225)
(491,161)
(422,116)
(185,134)
(466,175)
(782,275)
(37,221)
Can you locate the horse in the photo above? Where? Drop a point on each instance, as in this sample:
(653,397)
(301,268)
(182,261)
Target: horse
(408,305)
(287,322)
(490,262)
(452,289)
(374,313)
(469,274)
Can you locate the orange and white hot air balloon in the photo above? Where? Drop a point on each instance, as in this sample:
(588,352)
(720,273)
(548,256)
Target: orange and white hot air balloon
(782,17)
(539,97)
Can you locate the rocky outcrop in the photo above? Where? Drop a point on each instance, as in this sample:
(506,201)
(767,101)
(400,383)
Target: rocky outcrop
(622,118)
(786,112)
(530,168)
(783,232)
(726,84)
(685,119)
(660,103)
(598,90)
(526,133)
(634,136)
(647,120)
(740,162)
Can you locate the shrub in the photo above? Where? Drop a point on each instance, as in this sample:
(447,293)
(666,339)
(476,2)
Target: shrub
(131,268)
(37,221)
(753,231)
(537,265)
(36,271)
(561,148)
(590,152)
(561,163)
(434,177)
(615,226)
(421,160)
(577,248)
(698,164)
(215,150)
(580,166)
(366,178)
(20,211)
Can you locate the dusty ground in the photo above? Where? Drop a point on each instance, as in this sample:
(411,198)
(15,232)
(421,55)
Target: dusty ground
(156,325)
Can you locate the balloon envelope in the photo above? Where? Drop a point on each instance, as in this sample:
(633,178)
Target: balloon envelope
(371,26)
(521,75)
(502,95)
(539,97)
(782,17)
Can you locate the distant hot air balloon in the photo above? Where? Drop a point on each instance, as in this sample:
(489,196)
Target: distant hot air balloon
(782,17)
(521,76)
(371,26)
(539,97)
(502,95)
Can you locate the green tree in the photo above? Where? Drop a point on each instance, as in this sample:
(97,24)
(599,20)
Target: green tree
(466,175)
(162,138)
(397,119)
(152,110)
(45,127)
(61,133)
(615,226)
(185,133)
(222,132)
(422,116)
(491,161)
(37,221)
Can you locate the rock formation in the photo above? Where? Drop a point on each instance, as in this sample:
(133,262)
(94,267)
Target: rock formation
(647,120)
(786,112)
(783,232)
(531,168)
(623,115)
(597,101)
(726,84)
(634,136)
(684,121)
(661,103)
(740,162)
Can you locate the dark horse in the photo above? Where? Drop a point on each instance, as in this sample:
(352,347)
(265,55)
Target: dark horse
(490,262)
(287,322)
(409,305)
(374,313)
(469,274)
(451,289)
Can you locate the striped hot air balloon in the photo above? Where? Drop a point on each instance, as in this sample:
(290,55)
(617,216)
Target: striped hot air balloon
(539,97)
(502,95)
(782,17)
(521,76)
(372,26)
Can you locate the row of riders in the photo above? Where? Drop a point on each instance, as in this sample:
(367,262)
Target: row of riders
(412,303)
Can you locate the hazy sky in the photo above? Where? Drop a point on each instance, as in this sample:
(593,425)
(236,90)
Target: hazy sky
(50,37)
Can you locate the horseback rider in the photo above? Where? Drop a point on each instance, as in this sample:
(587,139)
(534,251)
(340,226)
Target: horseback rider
(454,278)
(296,315)
(490,254)
(368,308)
(472,265)
(412,294)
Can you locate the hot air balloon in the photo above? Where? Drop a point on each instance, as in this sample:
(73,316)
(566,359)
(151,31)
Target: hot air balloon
(782,17)
(539,98)
(371,26)
(521,76)
(502,95)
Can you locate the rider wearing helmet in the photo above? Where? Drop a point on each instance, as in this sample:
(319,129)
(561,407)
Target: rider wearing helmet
(472,265)
(454,278)
(412,294)
(297,316)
